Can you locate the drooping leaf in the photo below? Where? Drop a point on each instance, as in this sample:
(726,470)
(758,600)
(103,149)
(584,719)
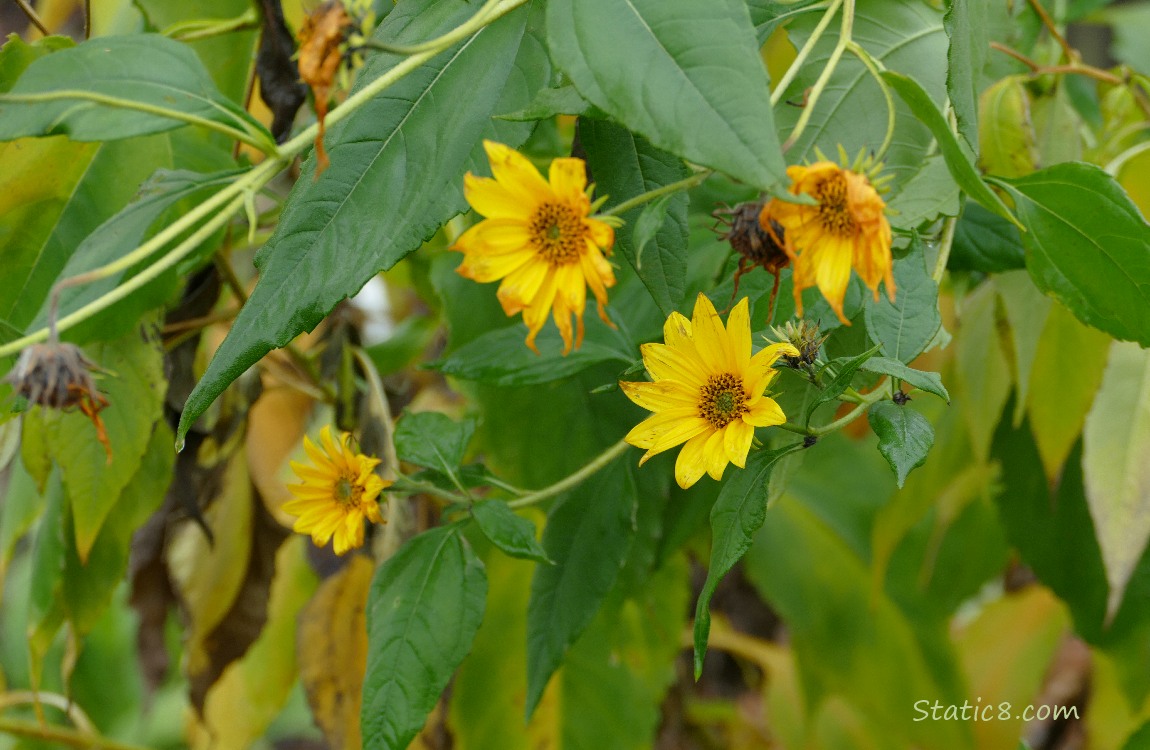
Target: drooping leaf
(1087,245)
(117,87)
(904,436)
(433,440)
(638,61)
(959,161)
(511,533)
(965,24)
(410,144)
(1115,471)
(500,357)
(1005,129)
(983,373)
(737,515)
(931,382)
(1026,311)
(623,166)
(424,608)
(904,327)
(280,86)
(903,35)
(587,535)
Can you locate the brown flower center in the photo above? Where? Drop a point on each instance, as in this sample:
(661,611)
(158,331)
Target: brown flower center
(834,209)
(722,400)
(348,491)
(558,233)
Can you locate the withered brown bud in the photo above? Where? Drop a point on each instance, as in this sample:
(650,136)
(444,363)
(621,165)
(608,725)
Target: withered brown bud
(57,375)
(806,337)
(749,239)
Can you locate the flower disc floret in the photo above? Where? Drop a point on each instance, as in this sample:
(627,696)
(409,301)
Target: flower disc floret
(708,391)
(539,239)
(339,489)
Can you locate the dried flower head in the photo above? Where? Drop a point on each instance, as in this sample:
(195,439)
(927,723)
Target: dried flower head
(57,375)
(758,247)
(804,337)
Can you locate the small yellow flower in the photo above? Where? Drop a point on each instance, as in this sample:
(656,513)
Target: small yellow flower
(847,227)
(339,490)
(540,239)
(708,391)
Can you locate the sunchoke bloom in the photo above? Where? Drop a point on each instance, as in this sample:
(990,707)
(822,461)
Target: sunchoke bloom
(708,391)
(339,490)
(538,237)
(846,228)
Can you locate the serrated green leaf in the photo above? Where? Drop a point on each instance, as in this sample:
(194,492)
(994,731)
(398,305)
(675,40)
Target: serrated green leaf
(931,382)
(511,533)
(737,515)
(641,66)
(423,610)
(1087,245)
(411,143)
(965,23)
(564,100)
(906,326)
(433,440)
(134,387)
(500,357)
(587,535)
(985,242)
(159,85)
(959,161)
(1116,474)
(902,35)
(844,373)
(904,436)
(625,165)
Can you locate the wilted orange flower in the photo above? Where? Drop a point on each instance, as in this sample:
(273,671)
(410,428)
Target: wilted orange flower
(708,391)
(339,490)
(538,237)
(846,228)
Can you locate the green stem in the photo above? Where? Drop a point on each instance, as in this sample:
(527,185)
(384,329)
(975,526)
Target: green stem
(793,71)
(190,31)
(573,480)
(875,67)
(946,241)
(406,486)
(650,195)
(62,735)
(798,429)
(878,394)
(824,77)
(262,144)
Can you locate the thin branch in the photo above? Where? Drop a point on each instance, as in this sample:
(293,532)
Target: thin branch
(33,17)
(1048,22)
(573,480)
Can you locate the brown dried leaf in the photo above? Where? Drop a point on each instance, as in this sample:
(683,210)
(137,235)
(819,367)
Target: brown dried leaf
(332,649)
(320,55)
(280,86)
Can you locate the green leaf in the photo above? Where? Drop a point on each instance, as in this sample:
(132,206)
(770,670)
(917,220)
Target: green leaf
(985,242)
(1006,132)
(1116,473)
(931,382)
(20,509)
(587,535)
(906,326)
(904,436)
(46,612)
(16,55)
(511,533)
(845,369)
(115,87)
(134,387)
(625,165)
(737,515)
(966,25)
(500,357)
(931,192)
(901,35)
(423,610)
(411,143)
(766,15)
(639,61)
(1026,311)
(1086,244)
(959,161)
(434,440)
(564,100)
(983,372)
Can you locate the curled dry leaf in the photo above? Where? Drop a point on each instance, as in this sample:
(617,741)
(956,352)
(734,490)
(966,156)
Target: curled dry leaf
(320,54)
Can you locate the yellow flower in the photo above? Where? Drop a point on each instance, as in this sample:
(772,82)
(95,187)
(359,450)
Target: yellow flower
(708,391)
(845,228)
(338,491)
(539,238)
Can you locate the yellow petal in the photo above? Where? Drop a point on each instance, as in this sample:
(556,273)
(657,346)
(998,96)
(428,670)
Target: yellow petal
(601,233)
(710,337)
(518,175)
(677,333)
(691,464)
(715,455)
(833,273)
(764,413)
(569,180)
(666,394)
(739,334)
(486,267)
(665,363)
(521,286)
(493,200)
(666,429)
(737,438)
(535,314)
(496,236)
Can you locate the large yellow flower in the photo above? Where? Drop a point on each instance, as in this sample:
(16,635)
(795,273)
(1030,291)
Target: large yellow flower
(708,391)
(847,227)
(539,238)
(339,490)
